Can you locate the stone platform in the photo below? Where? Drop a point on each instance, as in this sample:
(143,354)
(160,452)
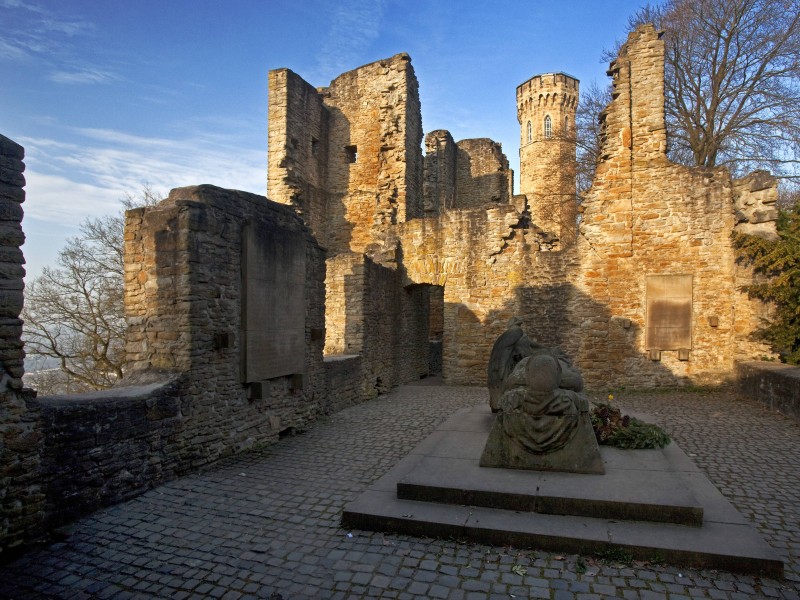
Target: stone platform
(651,504)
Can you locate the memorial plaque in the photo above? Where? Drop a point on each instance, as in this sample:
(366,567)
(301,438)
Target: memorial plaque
(273,302)
(669,312)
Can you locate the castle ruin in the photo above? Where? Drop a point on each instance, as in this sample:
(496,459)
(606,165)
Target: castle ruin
(373,265)
(644,293)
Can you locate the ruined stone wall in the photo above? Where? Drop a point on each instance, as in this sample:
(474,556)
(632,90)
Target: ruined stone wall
(774,384)
(298,148)
(183,298)
(344,381)
(482,174)
(439,173)
(492,265)
(370,314)
(344,330)
(375,160)
(645,217)
(21,498)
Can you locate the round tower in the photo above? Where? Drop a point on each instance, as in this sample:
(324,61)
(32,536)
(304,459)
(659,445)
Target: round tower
(546,106)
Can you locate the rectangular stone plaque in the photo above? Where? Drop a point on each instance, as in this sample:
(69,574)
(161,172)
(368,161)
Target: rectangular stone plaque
(273,303)
(669,312)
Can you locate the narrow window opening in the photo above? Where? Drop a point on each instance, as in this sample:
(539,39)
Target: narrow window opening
(530,132)
(351,153)
(314,146)
(548,127)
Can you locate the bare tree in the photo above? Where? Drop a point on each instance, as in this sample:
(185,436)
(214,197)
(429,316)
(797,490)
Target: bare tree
(74,313)
(732,82)
(593,100)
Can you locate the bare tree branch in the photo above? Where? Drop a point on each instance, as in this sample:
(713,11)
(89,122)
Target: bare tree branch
(74,313)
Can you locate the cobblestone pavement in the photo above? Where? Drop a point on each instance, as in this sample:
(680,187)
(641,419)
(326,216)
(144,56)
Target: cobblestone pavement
(266,524)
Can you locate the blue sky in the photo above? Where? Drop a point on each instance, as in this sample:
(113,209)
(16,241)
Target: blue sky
(106,95)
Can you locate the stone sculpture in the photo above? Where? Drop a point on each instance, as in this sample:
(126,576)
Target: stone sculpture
(513,346)
(541,424)
(510,348)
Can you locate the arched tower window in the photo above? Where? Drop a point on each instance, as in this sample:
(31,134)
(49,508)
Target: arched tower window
(566,124)
(548,127)
(530,132)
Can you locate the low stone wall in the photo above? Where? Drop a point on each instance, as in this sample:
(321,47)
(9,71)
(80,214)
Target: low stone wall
(105,447)
(344,379)
(776,385)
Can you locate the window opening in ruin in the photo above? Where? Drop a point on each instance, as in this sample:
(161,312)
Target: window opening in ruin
(548,127)
(530,132)
(314,146)
(566,124)
(351,153)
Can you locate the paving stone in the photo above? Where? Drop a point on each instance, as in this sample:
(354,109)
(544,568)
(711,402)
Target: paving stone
(279,534)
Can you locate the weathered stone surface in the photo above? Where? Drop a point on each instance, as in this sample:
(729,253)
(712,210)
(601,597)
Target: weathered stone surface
(540,425)
(11,169)
(21,499)
(183,299)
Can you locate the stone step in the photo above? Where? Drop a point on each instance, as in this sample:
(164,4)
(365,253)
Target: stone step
(726,546)
(651,504)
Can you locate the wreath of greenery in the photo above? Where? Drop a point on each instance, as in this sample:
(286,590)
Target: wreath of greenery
(612,428)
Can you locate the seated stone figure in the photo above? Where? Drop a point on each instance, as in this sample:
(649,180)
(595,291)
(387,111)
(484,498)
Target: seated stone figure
(510,348)
(541,425)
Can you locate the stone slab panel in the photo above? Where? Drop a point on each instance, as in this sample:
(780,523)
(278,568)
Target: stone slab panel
(273,266)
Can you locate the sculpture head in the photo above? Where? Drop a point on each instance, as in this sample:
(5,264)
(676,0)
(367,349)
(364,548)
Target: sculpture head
(514,322)
(542,373)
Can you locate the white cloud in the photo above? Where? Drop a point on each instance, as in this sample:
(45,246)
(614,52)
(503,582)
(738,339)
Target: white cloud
(88,75)
(121,162)
(354,26)
(68,181)
(60,200)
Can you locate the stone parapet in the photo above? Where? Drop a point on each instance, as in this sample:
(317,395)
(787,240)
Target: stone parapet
(775,384)
(112,444)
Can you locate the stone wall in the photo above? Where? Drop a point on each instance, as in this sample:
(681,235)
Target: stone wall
(183,298)
(482,174)
(344,377)
(645,216)
(774,384)
(298,147)
(107,447)
(21,498)
(439,173)
(492,264)
(370,314)
(364,172)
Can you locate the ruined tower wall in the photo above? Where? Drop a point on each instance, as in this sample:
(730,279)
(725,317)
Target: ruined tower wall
(21,500)
(648,221)
(439,173)
(467,174)
(375,160)
(372,315)
(482,174)
(298,148)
